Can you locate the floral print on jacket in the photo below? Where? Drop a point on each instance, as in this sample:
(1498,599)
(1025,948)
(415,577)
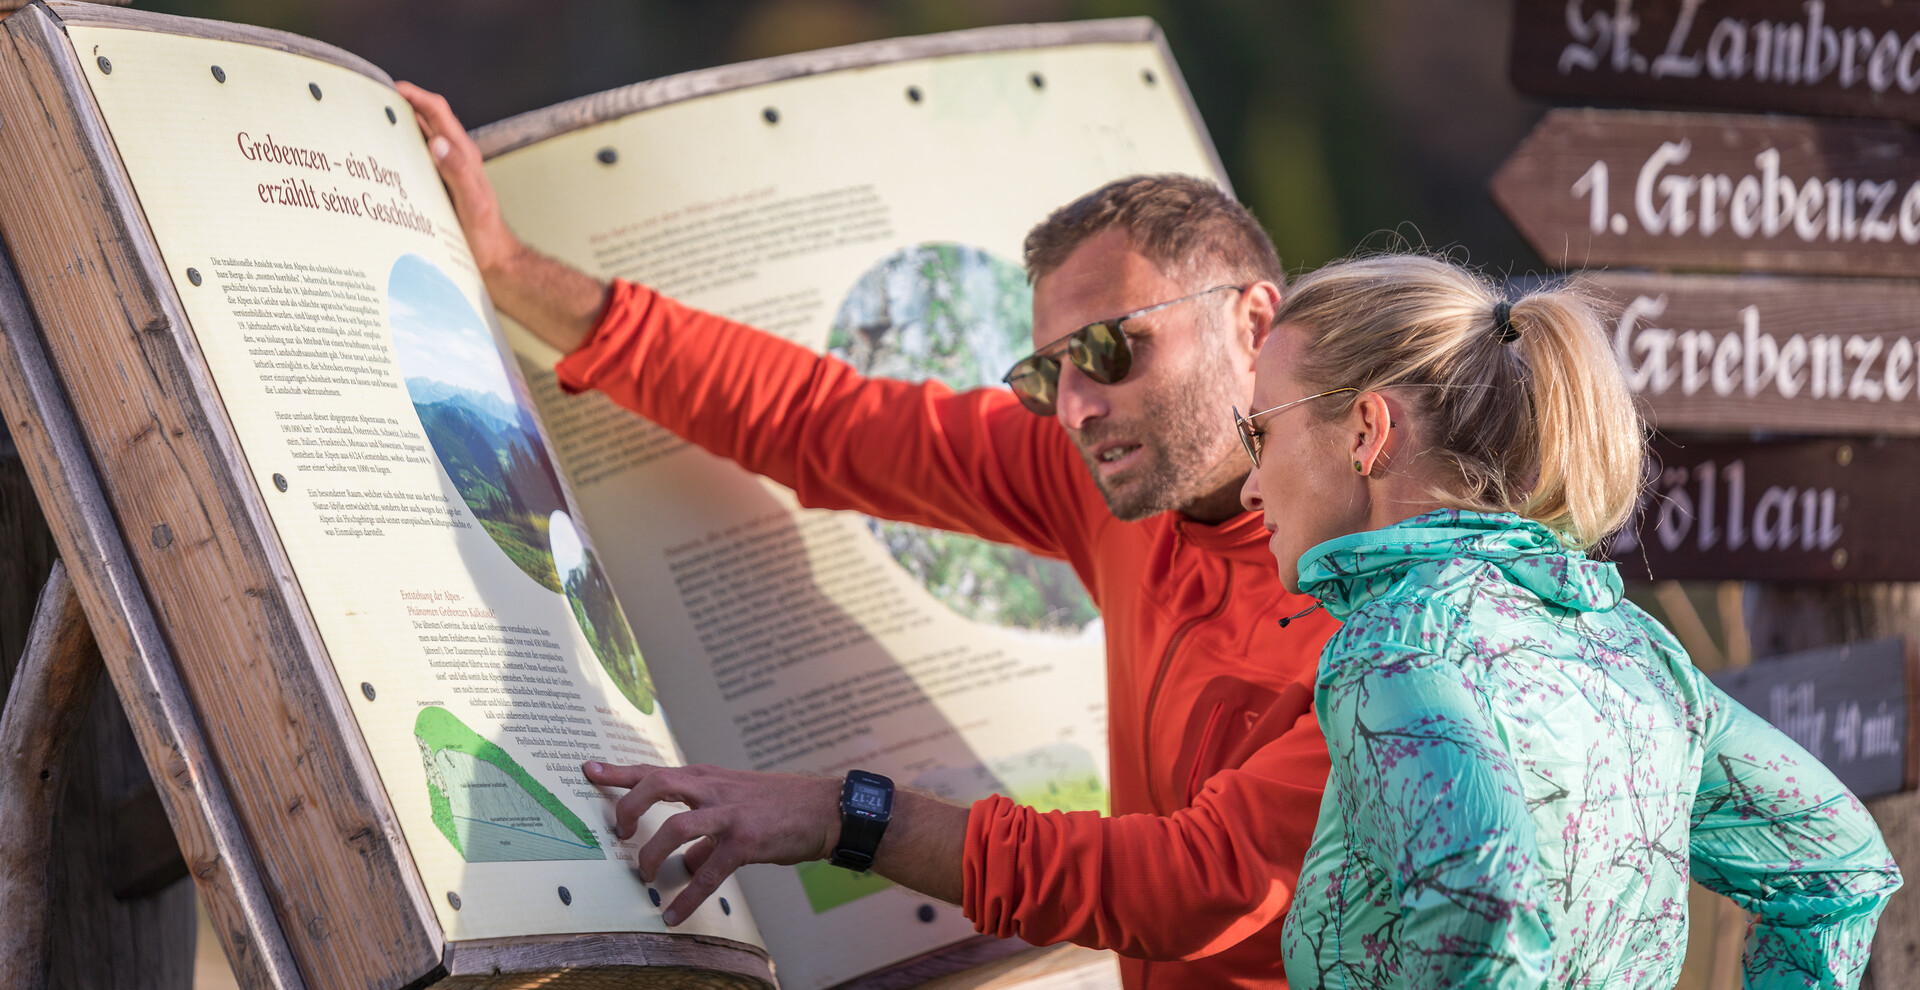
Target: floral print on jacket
(1526,772)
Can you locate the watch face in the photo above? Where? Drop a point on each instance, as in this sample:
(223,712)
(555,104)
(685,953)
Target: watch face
(862,796)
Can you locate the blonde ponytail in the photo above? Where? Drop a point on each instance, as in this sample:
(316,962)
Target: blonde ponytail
(1527,415)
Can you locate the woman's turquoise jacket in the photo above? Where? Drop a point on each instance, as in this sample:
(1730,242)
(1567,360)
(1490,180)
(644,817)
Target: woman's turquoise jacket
(1526,772)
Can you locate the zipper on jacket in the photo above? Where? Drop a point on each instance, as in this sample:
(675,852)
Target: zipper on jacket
(1160,677)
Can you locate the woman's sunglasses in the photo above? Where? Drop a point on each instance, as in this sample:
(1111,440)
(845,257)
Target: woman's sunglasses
(1100,350)
(1253,438)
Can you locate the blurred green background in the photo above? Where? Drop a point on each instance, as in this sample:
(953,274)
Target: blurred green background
(1341,122)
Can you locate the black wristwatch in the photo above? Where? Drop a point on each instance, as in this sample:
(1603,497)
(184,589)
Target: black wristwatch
(866,805)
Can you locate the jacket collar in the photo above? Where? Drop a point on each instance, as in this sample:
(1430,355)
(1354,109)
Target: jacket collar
(1348,572)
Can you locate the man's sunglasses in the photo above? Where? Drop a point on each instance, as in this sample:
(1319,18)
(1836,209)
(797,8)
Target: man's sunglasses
(1100,350)
(1254,439)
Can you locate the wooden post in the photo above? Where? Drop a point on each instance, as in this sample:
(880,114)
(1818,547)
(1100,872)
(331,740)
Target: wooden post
(51,689)
(117,914)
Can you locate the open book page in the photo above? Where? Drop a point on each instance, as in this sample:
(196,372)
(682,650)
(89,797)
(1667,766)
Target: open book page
(875,214)
(469,617)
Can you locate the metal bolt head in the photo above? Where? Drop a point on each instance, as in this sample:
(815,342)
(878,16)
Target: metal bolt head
(366,688)
(453,899)
(1844,455)
(106,65)
(314,88)
(193,275)
(606,156)
(219,74)
(566,896)
(162,536)
(280,481)
(1840,558)
(771,115)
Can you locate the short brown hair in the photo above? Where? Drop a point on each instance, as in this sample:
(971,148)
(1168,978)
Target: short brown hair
(1178,222)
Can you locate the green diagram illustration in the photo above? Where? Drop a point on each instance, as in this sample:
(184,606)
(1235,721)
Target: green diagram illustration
(486,803)
(1055,777)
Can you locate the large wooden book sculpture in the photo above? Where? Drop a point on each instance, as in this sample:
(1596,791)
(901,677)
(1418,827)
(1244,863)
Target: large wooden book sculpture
(330,520)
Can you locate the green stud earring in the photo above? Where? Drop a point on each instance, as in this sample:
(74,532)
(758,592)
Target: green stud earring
(1357,467)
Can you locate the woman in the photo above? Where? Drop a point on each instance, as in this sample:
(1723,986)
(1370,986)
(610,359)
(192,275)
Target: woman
(1526,768)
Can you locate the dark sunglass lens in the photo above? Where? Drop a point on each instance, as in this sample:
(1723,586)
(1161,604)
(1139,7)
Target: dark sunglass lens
(1034,380)
(1100,350)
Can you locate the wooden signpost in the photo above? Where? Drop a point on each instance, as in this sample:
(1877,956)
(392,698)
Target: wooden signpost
(1847,57)
(1717,192)
(1850,706)
(1737,353)
(1785,510)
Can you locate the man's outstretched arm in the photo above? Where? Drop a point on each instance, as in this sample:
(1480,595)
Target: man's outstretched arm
(557,302)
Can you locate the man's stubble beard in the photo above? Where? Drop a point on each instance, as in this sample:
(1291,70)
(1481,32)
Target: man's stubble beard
(1185,431)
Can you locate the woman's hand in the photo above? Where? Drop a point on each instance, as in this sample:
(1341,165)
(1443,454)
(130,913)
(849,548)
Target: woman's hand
(737,816)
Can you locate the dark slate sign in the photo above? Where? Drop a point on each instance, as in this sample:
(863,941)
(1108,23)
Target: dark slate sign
(1783,510)
(1846,705)
(1844,57)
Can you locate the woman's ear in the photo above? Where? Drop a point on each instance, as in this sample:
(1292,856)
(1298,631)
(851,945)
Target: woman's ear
(1373,426)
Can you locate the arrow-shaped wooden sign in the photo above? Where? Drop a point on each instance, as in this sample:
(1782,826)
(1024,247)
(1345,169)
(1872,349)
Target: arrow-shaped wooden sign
(1793,355)
(1717,192)
(1845,57)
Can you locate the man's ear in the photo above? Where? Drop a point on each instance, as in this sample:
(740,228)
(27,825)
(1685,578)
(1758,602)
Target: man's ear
(1373,424)
(1257,306)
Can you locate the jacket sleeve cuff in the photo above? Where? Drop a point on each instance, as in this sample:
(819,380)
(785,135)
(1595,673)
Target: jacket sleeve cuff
(1033,875)
(612,340)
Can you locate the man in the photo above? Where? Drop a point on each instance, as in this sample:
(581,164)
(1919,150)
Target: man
(1151,298)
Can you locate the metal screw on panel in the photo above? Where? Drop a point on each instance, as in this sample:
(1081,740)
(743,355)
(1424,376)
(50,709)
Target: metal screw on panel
(366,688)
(725,908)
(162,536)
(193,275)
(1039,81)
(914,94)
(654,896)
(607,156)
(314,88)
(453,899)
(219,74)
(392,118)
(566,896)
(772,115)
(925,913)
(280,481)
(1146,76)
(106,65)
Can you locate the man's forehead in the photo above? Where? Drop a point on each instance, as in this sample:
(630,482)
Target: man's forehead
(1103,278)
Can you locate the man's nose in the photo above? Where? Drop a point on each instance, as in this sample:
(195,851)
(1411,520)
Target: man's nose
(1080,400)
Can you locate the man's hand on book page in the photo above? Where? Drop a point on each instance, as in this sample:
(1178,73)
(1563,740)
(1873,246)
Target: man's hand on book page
(736,817)
(739,816)
(555,301)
